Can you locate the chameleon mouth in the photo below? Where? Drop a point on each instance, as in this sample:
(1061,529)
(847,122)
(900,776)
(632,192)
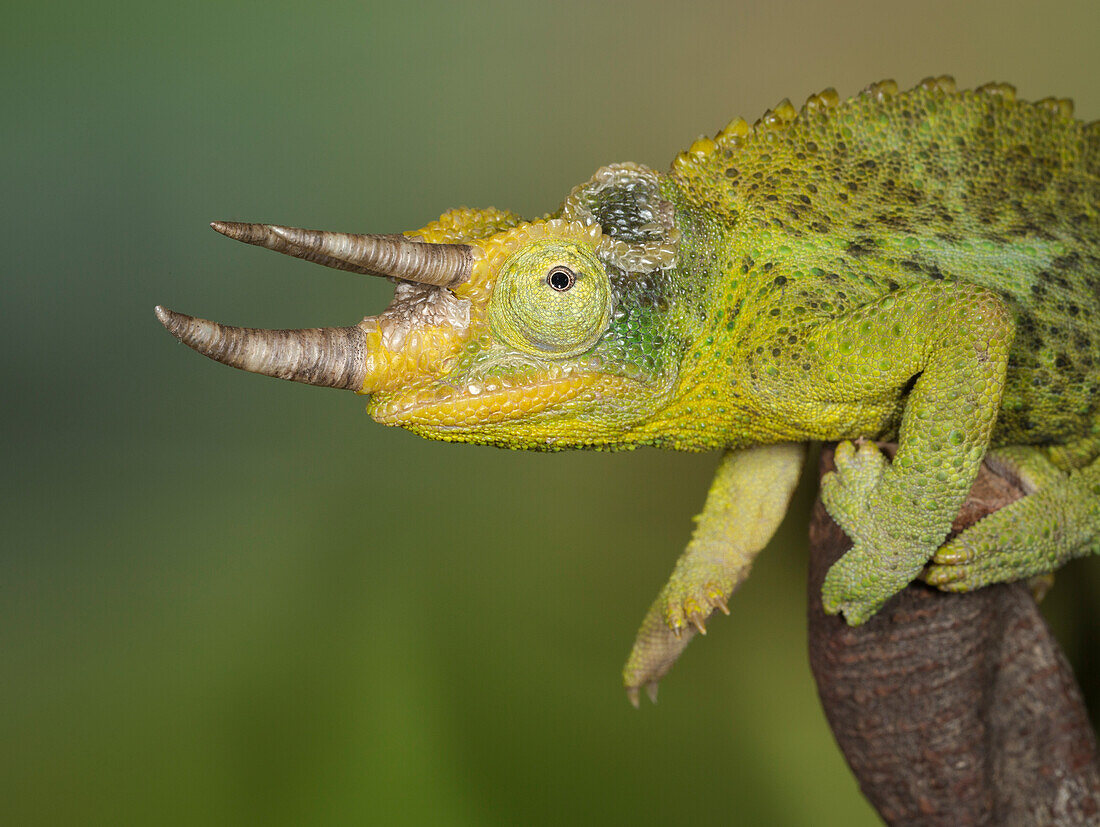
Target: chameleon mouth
(495,400)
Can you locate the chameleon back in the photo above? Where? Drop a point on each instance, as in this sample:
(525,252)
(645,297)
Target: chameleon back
(825,210)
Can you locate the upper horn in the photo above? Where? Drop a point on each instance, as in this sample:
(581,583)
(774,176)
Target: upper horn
(333,357)
(444,265)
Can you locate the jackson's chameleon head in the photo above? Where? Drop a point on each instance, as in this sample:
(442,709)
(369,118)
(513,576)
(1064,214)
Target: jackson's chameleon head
(565,331)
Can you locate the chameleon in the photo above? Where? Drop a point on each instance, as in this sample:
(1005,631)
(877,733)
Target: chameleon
(917,266)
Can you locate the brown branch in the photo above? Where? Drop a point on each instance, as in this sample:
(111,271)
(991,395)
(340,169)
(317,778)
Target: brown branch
(954,709)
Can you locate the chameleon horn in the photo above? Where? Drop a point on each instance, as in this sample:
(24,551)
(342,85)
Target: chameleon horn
(333,357)
(444,265)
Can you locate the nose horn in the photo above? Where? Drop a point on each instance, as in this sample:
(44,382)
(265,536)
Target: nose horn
(444,265)
(332,357)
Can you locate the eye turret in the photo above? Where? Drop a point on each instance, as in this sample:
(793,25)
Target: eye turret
(551,299)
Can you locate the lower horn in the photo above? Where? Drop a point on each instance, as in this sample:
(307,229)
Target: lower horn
(332,357)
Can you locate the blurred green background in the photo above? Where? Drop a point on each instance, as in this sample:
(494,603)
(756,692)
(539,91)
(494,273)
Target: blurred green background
(226,599)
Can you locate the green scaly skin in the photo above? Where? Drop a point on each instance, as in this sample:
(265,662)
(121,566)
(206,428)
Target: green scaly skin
(920,266)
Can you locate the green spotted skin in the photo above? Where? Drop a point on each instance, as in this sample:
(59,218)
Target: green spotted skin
(805,222)
(920,266)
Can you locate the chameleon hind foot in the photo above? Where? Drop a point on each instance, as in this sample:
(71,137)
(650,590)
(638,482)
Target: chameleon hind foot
(1016,543)
(1058,519)
(878,565)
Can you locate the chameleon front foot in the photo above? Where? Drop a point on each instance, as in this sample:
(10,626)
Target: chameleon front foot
(655,650)
(690,601)
(744,506)
(679,612)
(878,565)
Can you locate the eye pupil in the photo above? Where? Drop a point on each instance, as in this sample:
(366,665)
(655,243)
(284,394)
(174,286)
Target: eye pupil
(561,279)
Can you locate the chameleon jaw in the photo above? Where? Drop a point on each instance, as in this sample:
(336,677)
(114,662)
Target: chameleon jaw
(504,405)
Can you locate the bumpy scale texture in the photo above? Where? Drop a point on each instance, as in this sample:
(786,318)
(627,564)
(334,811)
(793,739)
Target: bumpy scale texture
(920,266)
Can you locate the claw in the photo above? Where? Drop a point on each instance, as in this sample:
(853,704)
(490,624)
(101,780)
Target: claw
(697,622)
(1039,585)
(720,602)
(867,447)
(634,696)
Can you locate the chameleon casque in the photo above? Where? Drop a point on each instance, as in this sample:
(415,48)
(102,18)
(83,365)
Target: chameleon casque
(920,266)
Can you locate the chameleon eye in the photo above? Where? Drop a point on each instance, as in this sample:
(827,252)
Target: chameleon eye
(561,279)
(552,298)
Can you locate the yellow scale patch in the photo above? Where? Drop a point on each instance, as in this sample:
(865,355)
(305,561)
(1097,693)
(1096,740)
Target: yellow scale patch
(426,352)
(463,225)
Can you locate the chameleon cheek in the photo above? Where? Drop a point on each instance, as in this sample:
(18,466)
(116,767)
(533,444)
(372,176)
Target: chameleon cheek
(552,299)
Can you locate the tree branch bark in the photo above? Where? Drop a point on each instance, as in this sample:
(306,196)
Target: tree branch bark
(954,709)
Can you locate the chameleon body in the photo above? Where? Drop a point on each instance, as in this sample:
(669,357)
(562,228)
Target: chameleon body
(920,266)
